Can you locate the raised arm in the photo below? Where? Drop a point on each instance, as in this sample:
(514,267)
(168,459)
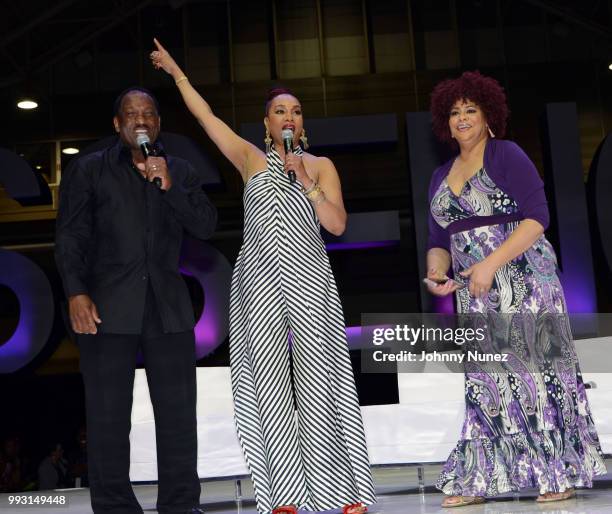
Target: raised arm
(235,148)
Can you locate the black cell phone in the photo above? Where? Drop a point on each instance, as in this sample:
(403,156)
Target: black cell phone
(442,281)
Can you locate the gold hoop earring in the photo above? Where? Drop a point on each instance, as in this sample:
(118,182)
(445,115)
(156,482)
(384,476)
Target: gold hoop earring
(304,140)
(490,132)
(268,141)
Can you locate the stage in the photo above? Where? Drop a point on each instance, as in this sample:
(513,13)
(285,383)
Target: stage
(397,487)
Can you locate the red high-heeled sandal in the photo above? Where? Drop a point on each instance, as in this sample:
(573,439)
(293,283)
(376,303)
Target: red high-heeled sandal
(354,508)
(285,509)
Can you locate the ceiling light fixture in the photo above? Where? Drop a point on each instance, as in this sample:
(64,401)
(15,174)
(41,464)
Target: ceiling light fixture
(27,104)
(70,150)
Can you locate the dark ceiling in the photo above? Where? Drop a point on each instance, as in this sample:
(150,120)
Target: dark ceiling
(36,34)
(71,54)
(39,34)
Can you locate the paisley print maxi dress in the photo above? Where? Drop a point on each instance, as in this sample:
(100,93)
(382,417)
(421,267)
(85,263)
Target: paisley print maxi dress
(524,427)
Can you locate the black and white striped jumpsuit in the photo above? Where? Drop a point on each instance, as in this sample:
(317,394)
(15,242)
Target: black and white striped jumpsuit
(303,439)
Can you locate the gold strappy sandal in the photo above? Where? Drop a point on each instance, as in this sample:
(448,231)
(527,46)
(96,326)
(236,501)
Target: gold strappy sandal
(463,501)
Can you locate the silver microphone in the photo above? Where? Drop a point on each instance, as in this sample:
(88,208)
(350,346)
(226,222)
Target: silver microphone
(287,135)
(147,149)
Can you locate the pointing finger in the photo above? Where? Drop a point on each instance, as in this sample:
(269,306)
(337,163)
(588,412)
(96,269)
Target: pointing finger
(158,45)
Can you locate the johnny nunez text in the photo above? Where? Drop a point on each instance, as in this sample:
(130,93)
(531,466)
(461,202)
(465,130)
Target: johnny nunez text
(406,356)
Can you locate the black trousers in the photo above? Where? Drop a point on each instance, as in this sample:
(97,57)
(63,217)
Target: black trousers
(107,365)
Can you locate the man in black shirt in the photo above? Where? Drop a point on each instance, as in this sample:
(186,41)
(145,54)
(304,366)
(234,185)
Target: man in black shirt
(117,249)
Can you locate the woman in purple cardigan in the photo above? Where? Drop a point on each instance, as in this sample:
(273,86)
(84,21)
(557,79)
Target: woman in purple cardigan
(523,427)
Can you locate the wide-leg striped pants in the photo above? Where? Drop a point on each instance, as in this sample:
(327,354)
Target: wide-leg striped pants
(301,432)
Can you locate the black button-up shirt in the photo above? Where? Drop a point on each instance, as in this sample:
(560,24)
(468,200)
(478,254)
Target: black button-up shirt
(116,232)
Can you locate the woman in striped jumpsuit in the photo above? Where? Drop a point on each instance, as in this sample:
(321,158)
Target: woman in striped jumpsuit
(297,414)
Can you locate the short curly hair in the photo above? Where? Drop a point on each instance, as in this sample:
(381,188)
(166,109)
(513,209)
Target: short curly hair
(484,91)
(119,100)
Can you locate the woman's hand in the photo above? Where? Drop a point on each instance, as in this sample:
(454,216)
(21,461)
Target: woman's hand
(294,162)
(440,289)
(481,277)
(162,59)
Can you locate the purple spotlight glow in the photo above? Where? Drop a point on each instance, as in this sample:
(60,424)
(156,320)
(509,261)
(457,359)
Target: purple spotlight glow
(443,304)
(579,293)
(332,247)
(353,337)
(37,310)
(212,270)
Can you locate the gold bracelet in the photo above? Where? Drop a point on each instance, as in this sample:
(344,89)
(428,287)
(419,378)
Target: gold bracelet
(310,189)
(319,199)
(178,81)
(314,192)
(316,196)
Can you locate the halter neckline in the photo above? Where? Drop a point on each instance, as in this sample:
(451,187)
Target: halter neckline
(296,150)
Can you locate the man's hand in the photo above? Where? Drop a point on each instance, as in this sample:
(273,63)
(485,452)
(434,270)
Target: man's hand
(156,167)
(83,314)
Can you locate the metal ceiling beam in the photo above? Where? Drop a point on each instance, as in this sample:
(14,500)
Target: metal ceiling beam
(24,29)
(66,47)
(47,60)
(573,18)
(11,59)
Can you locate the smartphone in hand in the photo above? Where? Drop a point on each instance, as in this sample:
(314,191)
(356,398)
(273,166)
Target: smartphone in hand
(442,281)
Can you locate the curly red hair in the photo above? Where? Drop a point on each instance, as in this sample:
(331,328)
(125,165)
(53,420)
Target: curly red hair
(484,91)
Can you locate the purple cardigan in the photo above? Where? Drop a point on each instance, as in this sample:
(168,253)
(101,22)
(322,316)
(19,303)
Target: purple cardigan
(514,173)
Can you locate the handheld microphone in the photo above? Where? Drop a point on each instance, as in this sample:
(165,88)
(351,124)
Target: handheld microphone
(148,150)
(287,135)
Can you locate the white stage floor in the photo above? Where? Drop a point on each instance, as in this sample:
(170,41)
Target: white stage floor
(397,489)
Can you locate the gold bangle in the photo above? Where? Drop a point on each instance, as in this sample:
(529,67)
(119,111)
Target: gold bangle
(178,81)
(319,199)
(310,189)
(316,196)
(313,192)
